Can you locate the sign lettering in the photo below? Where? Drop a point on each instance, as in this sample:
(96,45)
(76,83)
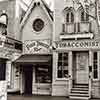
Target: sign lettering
(37,46)
(77,44)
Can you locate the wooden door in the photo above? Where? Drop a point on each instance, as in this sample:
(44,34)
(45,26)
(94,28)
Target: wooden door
(82,67)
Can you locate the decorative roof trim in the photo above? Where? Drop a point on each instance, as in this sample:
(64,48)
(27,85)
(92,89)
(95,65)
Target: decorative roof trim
(32,6)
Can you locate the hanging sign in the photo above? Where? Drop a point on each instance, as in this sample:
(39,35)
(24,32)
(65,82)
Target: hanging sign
(3,90)
(38,46)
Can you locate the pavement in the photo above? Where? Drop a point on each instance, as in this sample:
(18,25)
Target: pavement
(23,97)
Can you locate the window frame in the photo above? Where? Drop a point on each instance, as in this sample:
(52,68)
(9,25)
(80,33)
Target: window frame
(95,79)
(70,15)
(85,16)
(63,77)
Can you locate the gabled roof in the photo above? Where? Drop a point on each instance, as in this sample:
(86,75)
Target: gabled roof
(34,4)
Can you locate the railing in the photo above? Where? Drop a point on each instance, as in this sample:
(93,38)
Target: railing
(85,27)
(90,84)
(68,28)
(81,27)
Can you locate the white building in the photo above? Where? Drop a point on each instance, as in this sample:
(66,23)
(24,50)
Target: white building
(60,57)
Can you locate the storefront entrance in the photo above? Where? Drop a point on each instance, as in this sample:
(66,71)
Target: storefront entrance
(28,72)
(81,60)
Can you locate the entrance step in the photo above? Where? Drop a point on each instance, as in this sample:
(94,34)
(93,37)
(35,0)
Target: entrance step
(79,91)
(78,98)
(81,85)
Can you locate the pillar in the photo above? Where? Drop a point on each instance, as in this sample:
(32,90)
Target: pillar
(8,72)
(70,63)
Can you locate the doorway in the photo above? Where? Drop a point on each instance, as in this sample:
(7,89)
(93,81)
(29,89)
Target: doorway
(81,60)
(28,74)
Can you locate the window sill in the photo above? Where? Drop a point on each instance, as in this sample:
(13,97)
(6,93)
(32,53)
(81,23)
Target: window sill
(62,79)
(95,80)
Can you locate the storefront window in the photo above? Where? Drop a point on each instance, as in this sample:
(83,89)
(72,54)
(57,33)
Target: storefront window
(95,65)
(62,65)
(43,74)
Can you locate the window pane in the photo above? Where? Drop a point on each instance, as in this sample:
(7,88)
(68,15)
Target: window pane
(67,17)
(59,74)
(87,17)
(82,16)
(43,74)
(72,17)
(60,56)
(95,65)
(95,74)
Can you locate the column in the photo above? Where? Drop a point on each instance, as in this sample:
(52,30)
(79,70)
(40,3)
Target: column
(8,72)
(70,63)
(90,58)
(90,74)
(98,65)
(70,70)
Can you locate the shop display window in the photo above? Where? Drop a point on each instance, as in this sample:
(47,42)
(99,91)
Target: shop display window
(62,65)
(43,74)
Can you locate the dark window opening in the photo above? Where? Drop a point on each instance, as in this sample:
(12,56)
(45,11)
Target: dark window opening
(69,17)
(2,69)
(95,65)
(84,16)
(43,74)
(18,46)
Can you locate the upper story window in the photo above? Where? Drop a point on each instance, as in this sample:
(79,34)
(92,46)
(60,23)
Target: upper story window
(69,17)
(84,16)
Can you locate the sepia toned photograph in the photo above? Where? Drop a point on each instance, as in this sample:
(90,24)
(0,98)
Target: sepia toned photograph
(49,49)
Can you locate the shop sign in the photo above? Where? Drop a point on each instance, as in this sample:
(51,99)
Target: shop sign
(37,46)
(3,90)
(76,44)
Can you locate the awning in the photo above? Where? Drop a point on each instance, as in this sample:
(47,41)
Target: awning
(33,59)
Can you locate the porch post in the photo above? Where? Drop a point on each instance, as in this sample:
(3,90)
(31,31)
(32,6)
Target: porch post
(90,73)
(8,72)
(70,70)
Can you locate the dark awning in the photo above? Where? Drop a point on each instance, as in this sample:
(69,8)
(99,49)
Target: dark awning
(33,59)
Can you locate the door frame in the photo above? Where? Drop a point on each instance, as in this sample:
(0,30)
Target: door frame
(74,78)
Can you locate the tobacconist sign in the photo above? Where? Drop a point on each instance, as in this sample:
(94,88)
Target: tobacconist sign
(68,45)
(37,46)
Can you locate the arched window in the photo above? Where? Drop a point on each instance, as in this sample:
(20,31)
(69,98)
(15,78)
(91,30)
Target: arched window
(69,17)
(84,16)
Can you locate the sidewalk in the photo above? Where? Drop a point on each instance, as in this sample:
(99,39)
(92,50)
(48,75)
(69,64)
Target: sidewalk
(21,97)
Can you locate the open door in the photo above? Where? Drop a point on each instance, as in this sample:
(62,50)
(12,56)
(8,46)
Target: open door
(28,72)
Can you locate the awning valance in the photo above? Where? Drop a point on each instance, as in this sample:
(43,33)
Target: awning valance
(33,59)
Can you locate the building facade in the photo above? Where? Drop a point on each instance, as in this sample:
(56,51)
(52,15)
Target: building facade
(36,60)
(10,47)
(60,57)
(76,57)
